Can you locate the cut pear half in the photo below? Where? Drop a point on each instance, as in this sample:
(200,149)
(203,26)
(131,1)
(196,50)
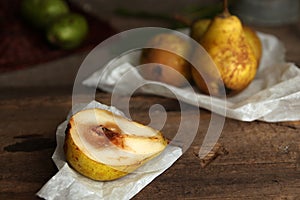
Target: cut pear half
(104,146)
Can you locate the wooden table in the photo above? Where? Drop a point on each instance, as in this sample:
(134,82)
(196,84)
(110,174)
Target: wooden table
(258,160)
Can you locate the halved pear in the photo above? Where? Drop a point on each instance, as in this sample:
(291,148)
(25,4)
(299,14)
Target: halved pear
(104,146)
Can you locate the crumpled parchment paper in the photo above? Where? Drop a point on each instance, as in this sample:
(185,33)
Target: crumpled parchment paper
(70,185)
(273,96)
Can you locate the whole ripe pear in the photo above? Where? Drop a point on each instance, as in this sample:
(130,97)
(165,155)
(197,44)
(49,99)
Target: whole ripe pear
(235,61)
(254,42)
(167,62)
(199,27)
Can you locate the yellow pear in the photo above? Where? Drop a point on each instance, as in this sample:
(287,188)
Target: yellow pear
(200,26)
(103,146)
(254,42)
(226,43)
(165,66)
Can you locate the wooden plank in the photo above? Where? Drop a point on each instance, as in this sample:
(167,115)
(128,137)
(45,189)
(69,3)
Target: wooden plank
(263,160)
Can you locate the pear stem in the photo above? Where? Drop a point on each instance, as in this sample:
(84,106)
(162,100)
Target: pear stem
(225,9)
(225,5)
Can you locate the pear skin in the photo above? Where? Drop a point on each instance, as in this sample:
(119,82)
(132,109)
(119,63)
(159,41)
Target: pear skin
(87,166)
(254,42)
(200,26)
(226,43)
(96,147)
(165,66)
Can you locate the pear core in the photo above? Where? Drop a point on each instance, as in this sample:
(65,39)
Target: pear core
(104,146)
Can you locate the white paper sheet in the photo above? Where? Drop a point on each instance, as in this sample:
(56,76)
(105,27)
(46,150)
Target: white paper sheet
(273,96)
(69,185)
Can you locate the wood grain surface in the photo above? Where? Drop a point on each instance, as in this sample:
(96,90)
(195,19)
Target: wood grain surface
(262,160)
(254,160)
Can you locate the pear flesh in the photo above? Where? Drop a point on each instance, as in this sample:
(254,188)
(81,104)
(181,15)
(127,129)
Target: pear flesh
(104,146)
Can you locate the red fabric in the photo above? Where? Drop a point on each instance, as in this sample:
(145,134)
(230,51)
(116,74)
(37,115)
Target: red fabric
(21,46)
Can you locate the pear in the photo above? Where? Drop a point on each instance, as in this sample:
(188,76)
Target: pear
(200,26)
(254,42)
(226,43)
(163,65)
(103,146)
